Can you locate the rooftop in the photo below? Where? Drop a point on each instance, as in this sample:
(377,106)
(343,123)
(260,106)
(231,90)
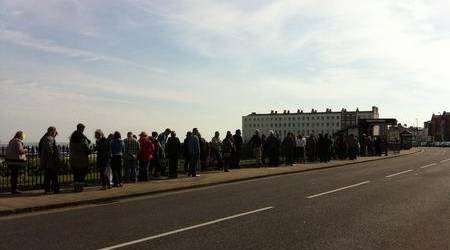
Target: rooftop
(313,111)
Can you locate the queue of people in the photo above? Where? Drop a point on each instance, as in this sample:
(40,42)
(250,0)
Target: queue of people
(268,151)
(136,159)
(121,160)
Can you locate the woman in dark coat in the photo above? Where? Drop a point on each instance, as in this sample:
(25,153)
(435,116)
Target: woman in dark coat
(79,157)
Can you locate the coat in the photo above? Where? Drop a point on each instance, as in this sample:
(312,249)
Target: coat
(173,147)
(48,153)
(103,149)
(79,151)
(147,149)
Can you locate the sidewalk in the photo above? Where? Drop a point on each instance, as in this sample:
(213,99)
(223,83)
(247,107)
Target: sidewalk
(37,201)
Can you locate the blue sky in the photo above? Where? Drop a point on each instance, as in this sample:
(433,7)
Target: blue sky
(147,65)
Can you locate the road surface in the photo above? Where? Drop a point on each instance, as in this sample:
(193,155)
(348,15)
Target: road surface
(400,203)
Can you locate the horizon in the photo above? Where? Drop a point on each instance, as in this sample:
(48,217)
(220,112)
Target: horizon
(138,65)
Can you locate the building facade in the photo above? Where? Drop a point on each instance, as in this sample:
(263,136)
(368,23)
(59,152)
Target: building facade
(439,128)
(304,123)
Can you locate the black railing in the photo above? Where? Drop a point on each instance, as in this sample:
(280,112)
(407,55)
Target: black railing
(31,175)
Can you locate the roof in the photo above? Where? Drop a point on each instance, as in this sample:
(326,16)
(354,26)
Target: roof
(307,113)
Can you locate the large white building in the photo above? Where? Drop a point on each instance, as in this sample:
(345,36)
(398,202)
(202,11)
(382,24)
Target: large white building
(304,123)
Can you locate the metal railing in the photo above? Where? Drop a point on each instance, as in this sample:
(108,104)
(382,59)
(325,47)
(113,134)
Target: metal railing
(31,175)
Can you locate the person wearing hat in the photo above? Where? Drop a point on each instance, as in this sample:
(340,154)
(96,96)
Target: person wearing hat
(145,155)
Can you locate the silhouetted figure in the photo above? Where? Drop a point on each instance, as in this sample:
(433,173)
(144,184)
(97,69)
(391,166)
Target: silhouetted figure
(79,157)
(228,150)
(237,139)
(173,151)
(49,160)
(103,149)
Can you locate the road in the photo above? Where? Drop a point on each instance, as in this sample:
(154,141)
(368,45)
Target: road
(400,203)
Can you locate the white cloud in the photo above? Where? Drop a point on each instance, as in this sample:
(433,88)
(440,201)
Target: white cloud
(23,39)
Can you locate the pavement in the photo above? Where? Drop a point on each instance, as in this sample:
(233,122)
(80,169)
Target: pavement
(394,203)
(36,201)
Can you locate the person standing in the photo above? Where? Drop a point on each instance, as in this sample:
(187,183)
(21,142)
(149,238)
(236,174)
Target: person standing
(216,149)
(353,149)
(117,149)
(49,160)
(155,163)
(263,149)
(301,144)
(311,148)
(130,161)
(203,148)
(228,150)
(237,139)
(186,152)
(173,150)
(103,149)
(273,148)
(289,149)
(16,157)
(79,157)
(145,155)
(256,144)
(162,138)
(193,148)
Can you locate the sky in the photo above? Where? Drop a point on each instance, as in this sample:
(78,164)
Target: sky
(143,65)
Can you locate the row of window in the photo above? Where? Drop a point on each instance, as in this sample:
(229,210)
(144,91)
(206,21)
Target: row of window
(300,118)
(306,132)
(275,125)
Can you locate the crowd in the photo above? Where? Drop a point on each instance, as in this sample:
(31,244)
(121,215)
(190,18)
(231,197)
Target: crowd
(139,157)
(269,150)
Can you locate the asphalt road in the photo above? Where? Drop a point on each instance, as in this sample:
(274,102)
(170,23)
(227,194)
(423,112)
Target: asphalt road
(400,203)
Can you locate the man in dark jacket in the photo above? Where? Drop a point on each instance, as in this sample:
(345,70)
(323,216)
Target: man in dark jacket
(289,148)
(256,144)
(273,149)
(173,150)
(49,160)
(237,139)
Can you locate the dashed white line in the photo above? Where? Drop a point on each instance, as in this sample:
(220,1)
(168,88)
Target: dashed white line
(339,189)
(446,160)
(429,165)
(403,172)
(184,229)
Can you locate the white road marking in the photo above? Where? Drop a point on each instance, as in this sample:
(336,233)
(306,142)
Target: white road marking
(446,160)
(403,172)
(184,229)
(339,189)
(429,165)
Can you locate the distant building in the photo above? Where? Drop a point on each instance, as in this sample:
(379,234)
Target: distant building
(305,123)
(439,128)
